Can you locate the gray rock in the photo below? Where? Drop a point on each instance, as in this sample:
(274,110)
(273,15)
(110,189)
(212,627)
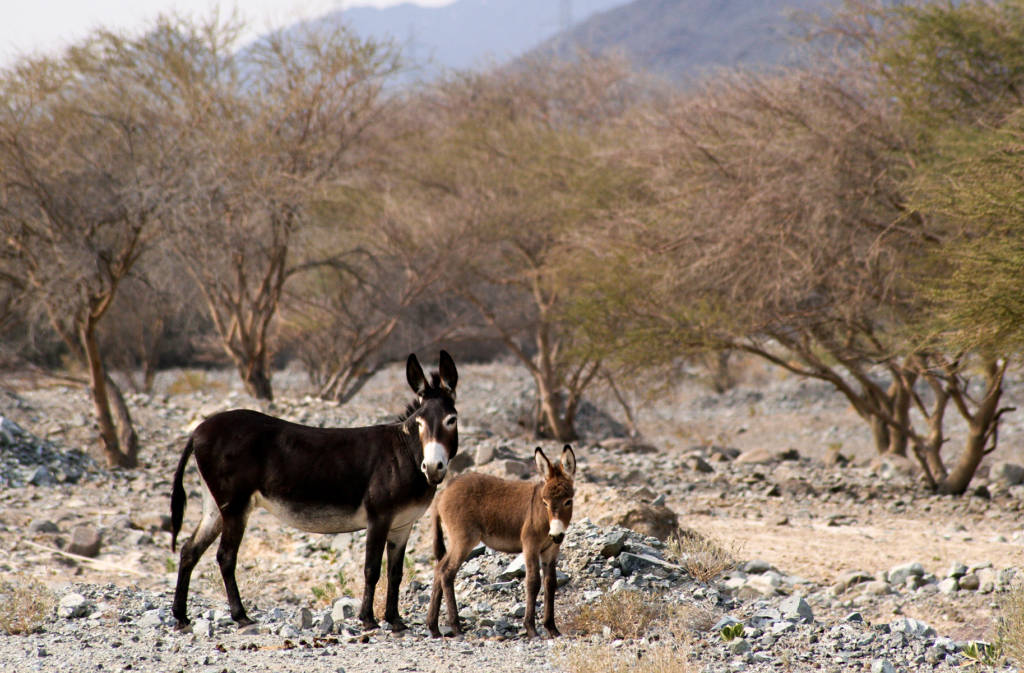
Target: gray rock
(876,588)
(957,569)
(42,476)
(462,461)
(344,608)
(631,563)
(850,578)
(911,627)
(725,621)
(1009,474)
(795,608)
(898,575)
(970,582)
(202,627)
(882,666)
(766,456)
(739,646)
(303,619)
(151,619)
(613,542)
(950,585)
(514,570)
(516,468)
(43,526)
(484,454)
(73,606)
(855,617)
(85,541)
(756,567)
(325,625)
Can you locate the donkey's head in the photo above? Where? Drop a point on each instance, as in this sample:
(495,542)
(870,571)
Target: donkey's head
(557,491)
(435,418)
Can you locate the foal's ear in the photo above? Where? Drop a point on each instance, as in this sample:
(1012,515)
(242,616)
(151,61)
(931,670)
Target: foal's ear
(446,370)
(414,375)
(543,464)
(568,461)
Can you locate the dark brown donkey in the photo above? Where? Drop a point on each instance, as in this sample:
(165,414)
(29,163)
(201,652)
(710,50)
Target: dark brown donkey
(322,480)
(508,516)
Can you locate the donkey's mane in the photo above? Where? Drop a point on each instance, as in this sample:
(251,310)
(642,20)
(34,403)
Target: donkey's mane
(433,390)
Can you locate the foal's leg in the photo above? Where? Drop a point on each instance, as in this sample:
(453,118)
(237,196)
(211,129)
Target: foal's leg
(550,585)
(376,538)
(227,558)
(205,533)
(532,588)
(397,540)
(444,581)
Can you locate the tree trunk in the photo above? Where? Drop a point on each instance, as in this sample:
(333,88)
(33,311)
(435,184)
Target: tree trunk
(552,422)
(101,403)
(960,476)
(900,397)
(127,437)
(257,380)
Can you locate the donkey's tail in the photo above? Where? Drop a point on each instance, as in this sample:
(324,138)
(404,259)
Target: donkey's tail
(439,548)
(178,494)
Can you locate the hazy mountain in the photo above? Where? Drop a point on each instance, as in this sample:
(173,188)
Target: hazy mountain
(468,33)
(681,38)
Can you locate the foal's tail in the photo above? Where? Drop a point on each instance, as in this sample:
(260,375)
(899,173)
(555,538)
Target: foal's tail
(178,494)
(439,548)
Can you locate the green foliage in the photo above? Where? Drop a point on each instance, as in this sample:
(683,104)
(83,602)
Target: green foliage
(732,631)
(952,62)
(985,654)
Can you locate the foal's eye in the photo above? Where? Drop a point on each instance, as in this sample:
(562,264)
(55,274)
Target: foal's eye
(568,503)
(451,420)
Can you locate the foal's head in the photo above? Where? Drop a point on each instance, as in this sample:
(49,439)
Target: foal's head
(434,415)
(557,491)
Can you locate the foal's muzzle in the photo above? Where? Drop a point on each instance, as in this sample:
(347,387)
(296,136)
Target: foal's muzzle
(435,462)
(557,531)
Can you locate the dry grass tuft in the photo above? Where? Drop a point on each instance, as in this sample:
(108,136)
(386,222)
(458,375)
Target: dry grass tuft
(24,607)
(628,614)
(194,381)
(660,657)
(1010,634)
(704,556)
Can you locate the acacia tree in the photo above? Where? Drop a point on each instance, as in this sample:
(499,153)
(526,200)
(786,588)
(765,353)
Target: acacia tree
(86,166)
(521,164)
(272,126)
(794,243)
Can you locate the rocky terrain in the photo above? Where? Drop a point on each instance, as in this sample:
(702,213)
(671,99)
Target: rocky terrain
(844,563)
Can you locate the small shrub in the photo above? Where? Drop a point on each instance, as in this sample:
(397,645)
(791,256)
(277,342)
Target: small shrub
(194,381)
(628,614)
(1010,634)
(662,657)
(24,607)
(328,592)
(985,654)
(703,556)
(732,631)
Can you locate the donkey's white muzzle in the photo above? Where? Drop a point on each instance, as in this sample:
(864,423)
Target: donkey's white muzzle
(435,462)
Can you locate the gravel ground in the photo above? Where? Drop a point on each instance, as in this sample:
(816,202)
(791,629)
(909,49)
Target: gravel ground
(851,567)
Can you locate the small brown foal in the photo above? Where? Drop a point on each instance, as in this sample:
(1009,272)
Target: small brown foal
(508,516)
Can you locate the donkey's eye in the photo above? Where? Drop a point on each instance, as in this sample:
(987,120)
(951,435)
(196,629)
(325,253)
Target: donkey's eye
(451,420)
(568,503)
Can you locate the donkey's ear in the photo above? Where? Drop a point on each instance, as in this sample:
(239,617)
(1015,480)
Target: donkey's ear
(446,370)
(543,464)
(568,460)
(414,375)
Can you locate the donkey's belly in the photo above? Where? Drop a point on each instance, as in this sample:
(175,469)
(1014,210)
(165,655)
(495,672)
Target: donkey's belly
(315,518)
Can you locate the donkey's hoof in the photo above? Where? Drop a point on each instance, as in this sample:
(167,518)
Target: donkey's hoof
(243,622)
(183,626)
(435,632)
(397,624)
(369,624)
(553,632)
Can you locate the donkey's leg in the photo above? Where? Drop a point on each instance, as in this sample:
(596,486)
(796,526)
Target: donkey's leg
(227,558)
(550,585)
(376,538)
(397,540)
(532,588)
(205,533)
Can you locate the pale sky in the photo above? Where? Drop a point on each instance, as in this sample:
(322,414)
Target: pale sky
(41,26)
